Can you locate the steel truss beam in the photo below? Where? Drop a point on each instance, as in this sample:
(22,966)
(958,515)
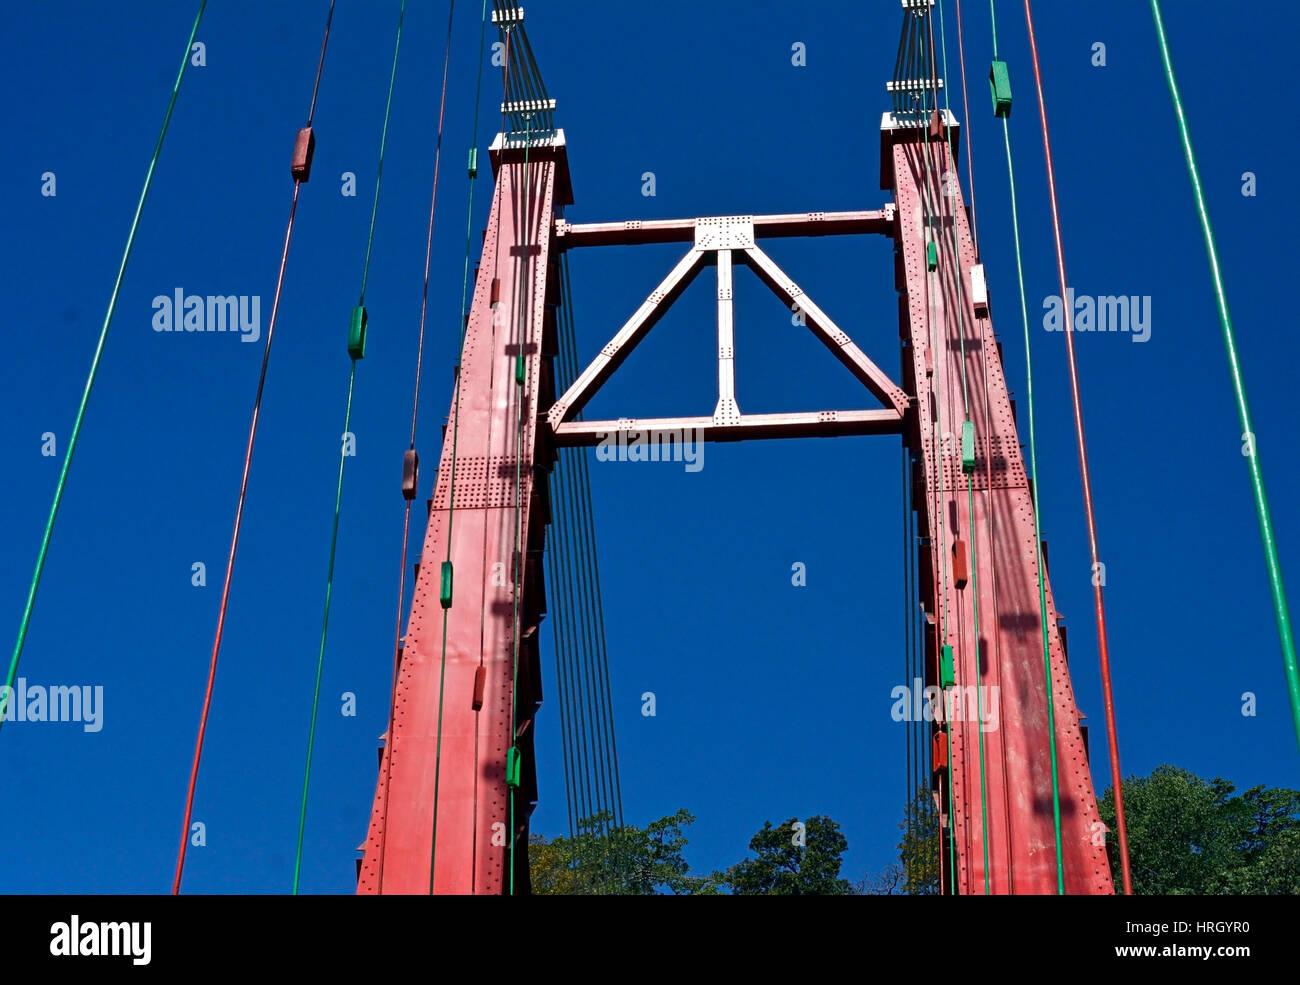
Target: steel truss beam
(721,240)
(635,232)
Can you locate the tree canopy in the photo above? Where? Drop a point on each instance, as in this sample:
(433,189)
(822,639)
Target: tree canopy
(1188,835)
(794,858)
(605,860)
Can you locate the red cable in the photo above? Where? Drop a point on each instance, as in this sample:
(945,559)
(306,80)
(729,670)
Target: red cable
(415,409)
(1083,468)
(243,489)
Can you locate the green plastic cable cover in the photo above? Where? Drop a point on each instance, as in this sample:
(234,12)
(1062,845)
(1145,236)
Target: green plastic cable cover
(94,371)
(1276,588)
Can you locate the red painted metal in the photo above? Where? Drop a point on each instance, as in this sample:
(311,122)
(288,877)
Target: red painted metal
(464,779)
(1017,764)
(467,769)
(304,148)
(960,564)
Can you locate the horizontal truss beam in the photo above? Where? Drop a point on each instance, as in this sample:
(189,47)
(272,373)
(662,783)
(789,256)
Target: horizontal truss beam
(800,424)
(637,231)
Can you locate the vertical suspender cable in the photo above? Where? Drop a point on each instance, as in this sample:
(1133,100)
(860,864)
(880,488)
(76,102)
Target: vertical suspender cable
(343,457)
(415,408)
(1281,612)
(522,310)
(455,434)
(1098,604)
(910,787)
(596,609)
(591,758)
(941,610)
(243,484)
(560,635)
(1033,482)
(988,413)
(970,487)
(94,372)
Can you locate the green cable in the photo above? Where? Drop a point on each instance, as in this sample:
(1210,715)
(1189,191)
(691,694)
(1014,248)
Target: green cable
(1280,609)
(455,435)
(320,660)
(469,214)
(90,379)
(970,489)
(1038,534)
(379,169)
(343,457)
(943,585)
(519,524)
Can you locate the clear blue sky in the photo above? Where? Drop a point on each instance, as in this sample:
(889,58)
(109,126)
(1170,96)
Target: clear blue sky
(773,701)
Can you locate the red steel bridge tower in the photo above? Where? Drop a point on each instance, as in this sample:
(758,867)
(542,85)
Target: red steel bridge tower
(457,778)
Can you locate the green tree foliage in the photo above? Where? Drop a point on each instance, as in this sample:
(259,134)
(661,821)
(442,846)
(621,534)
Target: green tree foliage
(793,860)
(1193,836)
(918,852)
(609,861)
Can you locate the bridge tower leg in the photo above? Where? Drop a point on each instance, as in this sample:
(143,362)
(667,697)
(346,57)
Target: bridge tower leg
(454,770)
(1004,652)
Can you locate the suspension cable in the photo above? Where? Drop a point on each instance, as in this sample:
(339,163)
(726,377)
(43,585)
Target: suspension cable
(941,636)
(1033,483)
(523,310)
(911,787)
(455,434)
(409,493)
(94,372)
(299,178)
(1098,604)
(1280,609)
(356,348)
(984,360)
(970,486)
(970,493)
(580,629)
(590,600)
